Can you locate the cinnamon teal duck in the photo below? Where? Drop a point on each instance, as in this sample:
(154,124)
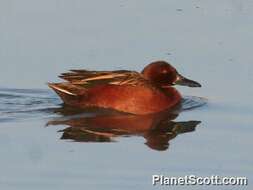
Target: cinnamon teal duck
(148,92)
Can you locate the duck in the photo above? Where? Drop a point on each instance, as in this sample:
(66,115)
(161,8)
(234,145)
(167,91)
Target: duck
(147,92)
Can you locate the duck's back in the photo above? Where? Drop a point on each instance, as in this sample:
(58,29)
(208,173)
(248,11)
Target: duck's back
(122,90)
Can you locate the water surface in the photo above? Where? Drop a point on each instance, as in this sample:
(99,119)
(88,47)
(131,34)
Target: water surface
(208,41)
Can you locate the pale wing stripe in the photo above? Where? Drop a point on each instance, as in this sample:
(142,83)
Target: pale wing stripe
(109,76)
(64,91)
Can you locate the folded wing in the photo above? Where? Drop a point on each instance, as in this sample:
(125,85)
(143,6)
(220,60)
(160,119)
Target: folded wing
(90,78)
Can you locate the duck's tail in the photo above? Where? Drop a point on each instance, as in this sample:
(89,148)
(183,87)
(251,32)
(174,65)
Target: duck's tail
(69,93)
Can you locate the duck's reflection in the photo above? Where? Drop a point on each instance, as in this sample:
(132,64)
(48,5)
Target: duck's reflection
(157,129)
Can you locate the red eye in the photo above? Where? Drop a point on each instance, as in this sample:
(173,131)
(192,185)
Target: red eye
(164,71)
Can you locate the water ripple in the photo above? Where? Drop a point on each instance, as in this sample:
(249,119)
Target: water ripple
(18,104)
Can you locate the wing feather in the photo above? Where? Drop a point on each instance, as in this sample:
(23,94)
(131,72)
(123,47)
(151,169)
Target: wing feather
(91,78)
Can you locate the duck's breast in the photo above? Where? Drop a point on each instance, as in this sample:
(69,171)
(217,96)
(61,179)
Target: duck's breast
(131,99)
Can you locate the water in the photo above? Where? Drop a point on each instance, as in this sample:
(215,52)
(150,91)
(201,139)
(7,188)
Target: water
(94,125)
(208,41)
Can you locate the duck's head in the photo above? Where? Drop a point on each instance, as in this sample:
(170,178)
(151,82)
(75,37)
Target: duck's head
(164,75)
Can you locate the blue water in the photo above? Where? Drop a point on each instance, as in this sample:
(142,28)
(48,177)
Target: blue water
(207,41)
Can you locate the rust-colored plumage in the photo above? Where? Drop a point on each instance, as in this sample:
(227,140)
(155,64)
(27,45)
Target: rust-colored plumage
(122,90)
